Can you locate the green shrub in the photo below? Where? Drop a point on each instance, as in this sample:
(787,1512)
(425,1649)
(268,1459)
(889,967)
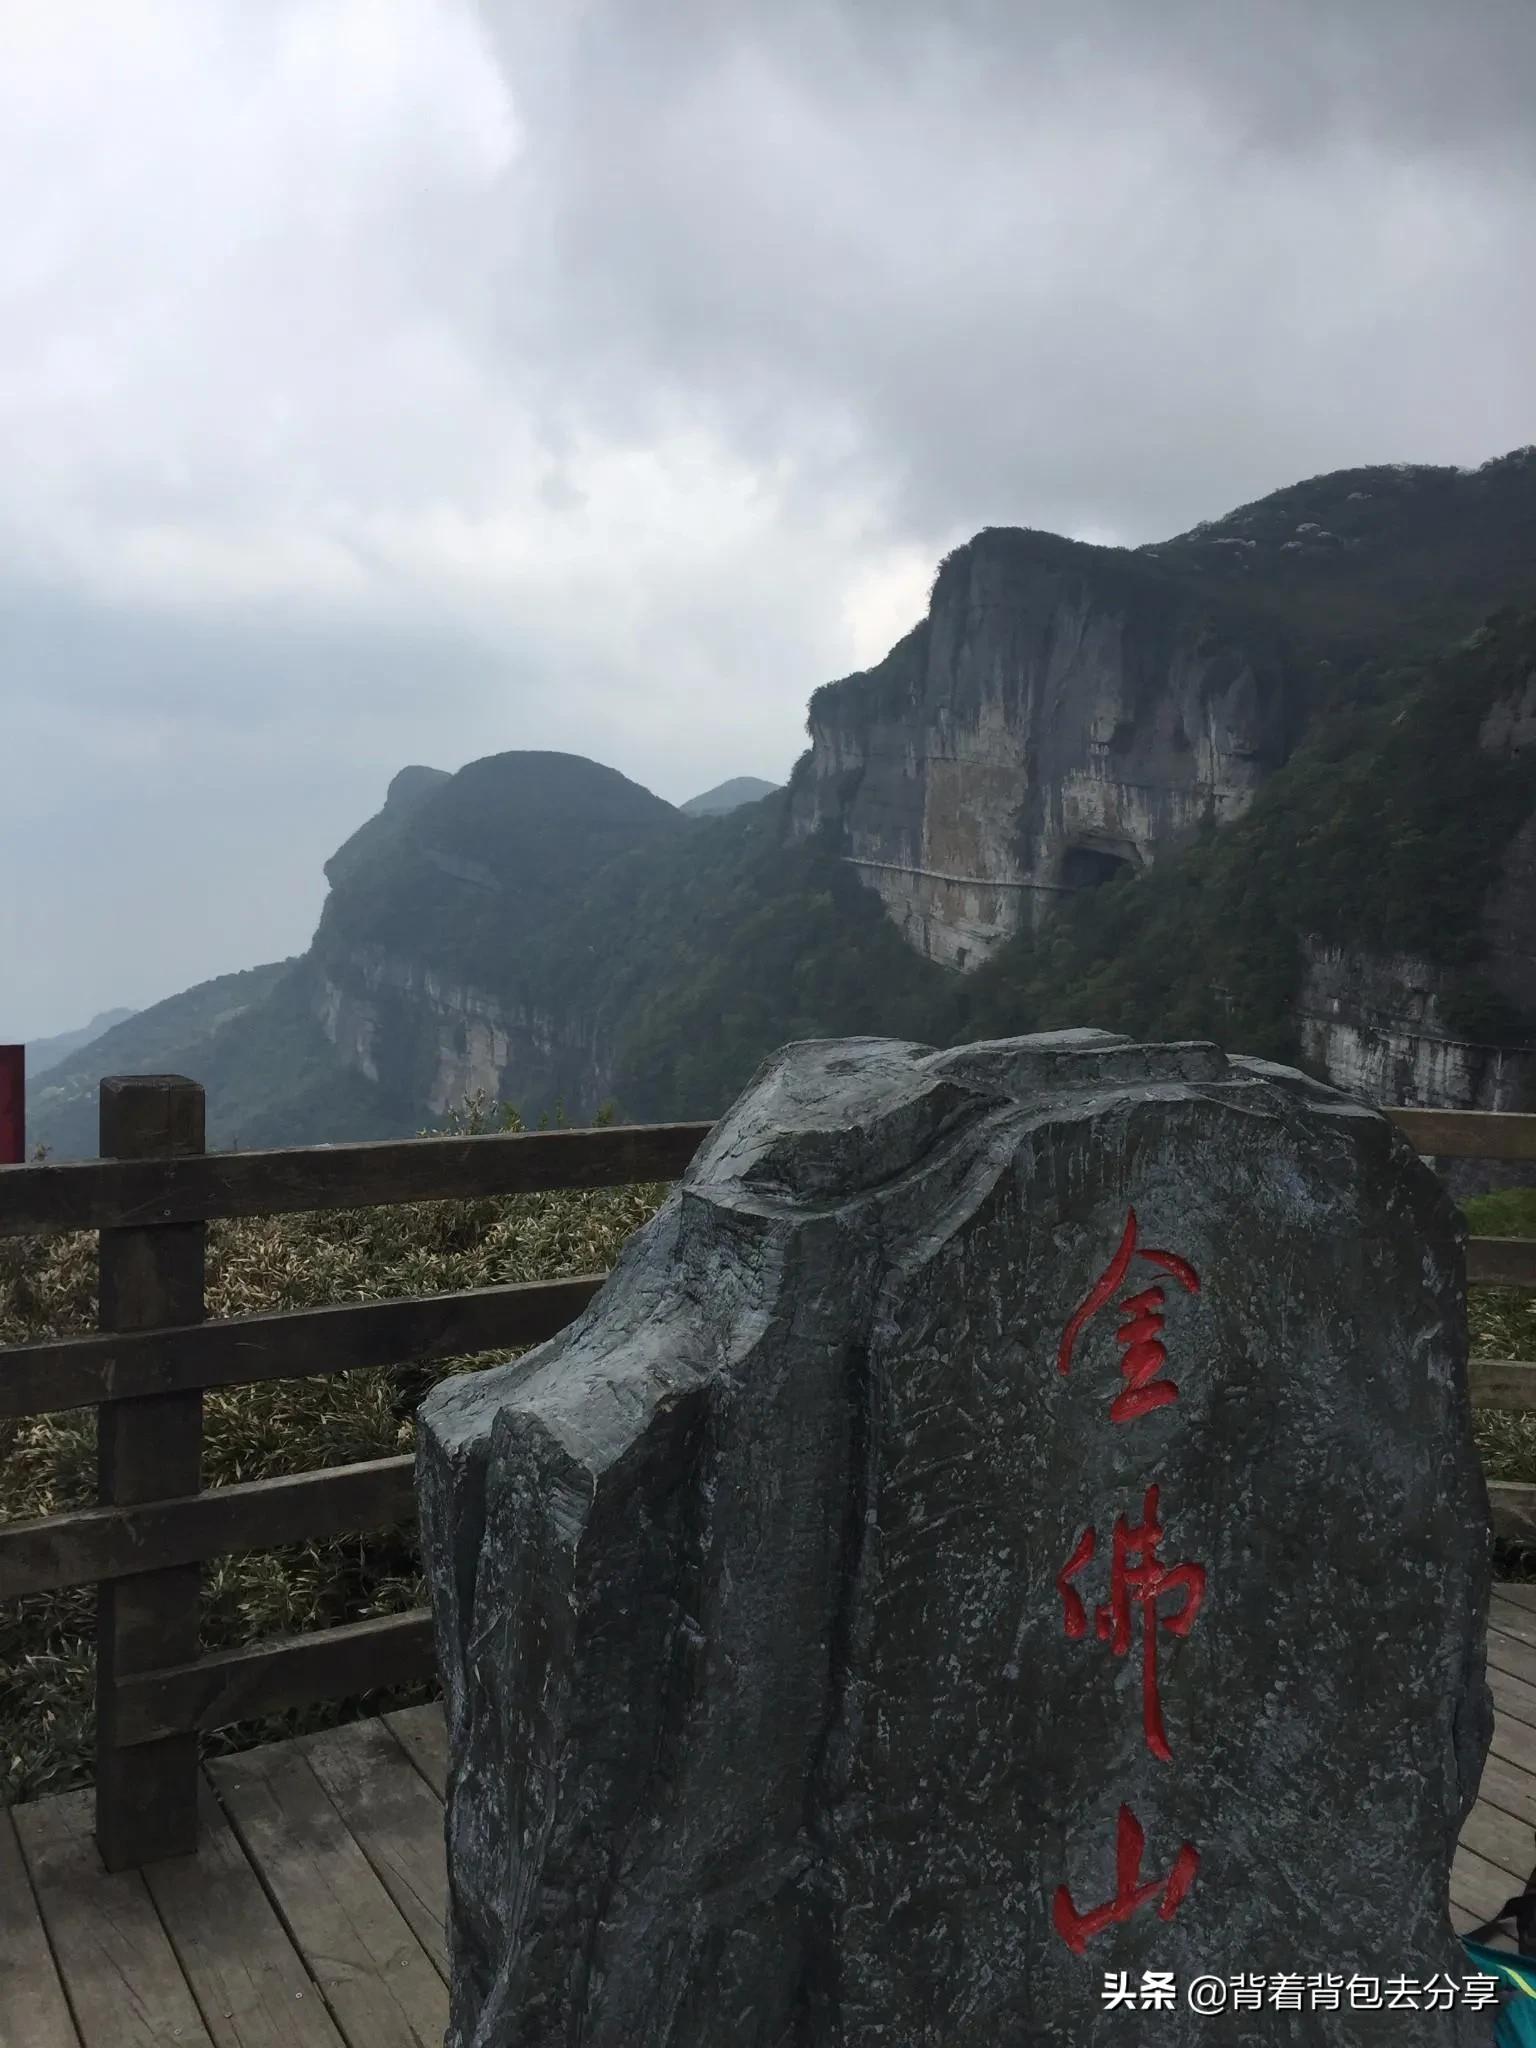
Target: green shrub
(1509,1213)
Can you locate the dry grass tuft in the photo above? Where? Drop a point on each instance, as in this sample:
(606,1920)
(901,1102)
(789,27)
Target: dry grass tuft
(257,1265)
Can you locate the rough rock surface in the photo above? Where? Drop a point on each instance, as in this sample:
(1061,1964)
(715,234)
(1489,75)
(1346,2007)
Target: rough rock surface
(771,1720)
(385,1012)
(1064,711)
(1375,1024)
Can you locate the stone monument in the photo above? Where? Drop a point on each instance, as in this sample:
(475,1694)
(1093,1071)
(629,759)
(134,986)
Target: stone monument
(1007,1533)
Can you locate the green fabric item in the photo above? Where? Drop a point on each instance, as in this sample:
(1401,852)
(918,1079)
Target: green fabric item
(1517,2018)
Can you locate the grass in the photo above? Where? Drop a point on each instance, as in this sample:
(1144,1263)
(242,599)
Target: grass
(47,1463)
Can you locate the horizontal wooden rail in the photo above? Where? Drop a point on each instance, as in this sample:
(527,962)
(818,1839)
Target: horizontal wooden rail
(96,1194)
(1502,1383)
(283,1671)
(1514,1511)
(77,1372)
(1468,1133)
(286,1671)
(53,1551)
(337,1663)
(110,1194)
(1501,1261)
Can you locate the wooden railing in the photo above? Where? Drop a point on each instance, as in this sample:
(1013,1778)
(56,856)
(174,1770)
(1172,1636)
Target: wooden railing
(1508,1383)
(150,1196)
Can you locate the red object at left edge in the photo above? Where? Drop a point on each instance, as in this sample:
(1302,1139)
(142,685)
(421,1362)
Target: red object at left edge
(13,1105)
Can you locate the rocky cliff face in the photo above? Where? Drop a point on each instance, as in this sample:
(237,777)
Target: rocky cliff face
(1068,713)
(1376,1025)
(443,965)
(1063,713)
(435,1041)
(1508,920)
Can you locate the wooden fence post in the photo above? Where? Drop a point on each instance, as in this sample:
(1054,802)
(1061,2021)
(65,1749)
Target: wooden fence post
(149,1448)
(13,1105)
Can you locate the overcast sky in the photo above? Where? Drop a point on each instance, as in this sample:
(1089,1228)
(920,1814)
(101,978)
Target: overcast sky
(406,380)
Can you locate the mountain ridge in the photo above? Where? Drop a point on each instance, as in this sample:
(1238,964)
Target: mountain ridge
(728,796)
(557,936)
(175,1035)
(46,1053)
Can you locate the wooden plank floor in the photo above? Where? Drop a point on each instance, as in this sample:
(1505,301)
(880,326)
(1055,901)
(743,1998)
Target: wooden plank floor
(310,1917)
(312,1914)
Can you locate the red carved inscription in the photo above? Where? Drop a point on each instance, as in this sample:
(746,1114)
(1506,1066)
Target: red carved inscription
(1136,1575)
(1138,1578)
(1141,1327)
(1078,1929)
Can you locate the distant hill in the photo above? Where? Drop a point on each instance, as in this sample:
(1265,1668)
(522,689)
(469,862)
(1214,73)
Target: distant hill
(178,1035)
(43,1053)
(728,796)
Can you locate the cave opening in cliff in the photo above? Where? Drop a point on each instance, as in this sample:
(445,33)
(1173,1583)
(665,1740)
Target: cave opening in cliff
(1090,867)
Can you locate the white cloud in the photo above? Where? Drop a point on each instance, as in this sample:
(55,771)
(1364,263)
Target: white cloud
(885,600)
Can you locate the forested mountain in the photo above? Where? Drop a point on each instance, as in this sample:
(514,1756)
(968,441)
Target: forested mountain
(1270,782)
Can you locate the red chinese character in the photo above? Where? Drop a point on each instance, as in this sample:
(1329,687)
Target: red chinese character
(1135,1572)
(1078,1929)
(1140,1332)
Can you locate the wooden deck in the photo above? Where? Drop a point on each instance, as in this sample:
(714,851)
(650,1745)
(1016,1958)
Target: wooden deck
(312,1914)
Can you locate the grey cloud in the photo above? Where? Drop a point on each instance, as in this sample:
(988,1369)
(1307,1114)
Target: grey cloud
(1108,266)
(577,375)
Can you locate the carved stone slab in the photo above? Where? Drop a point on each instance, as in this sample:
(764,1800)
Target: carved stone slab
(1012,1517)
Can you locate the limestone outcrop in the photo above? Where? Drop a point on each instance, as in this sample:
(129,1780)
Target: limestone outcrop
(1063,712)
(447,1040)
